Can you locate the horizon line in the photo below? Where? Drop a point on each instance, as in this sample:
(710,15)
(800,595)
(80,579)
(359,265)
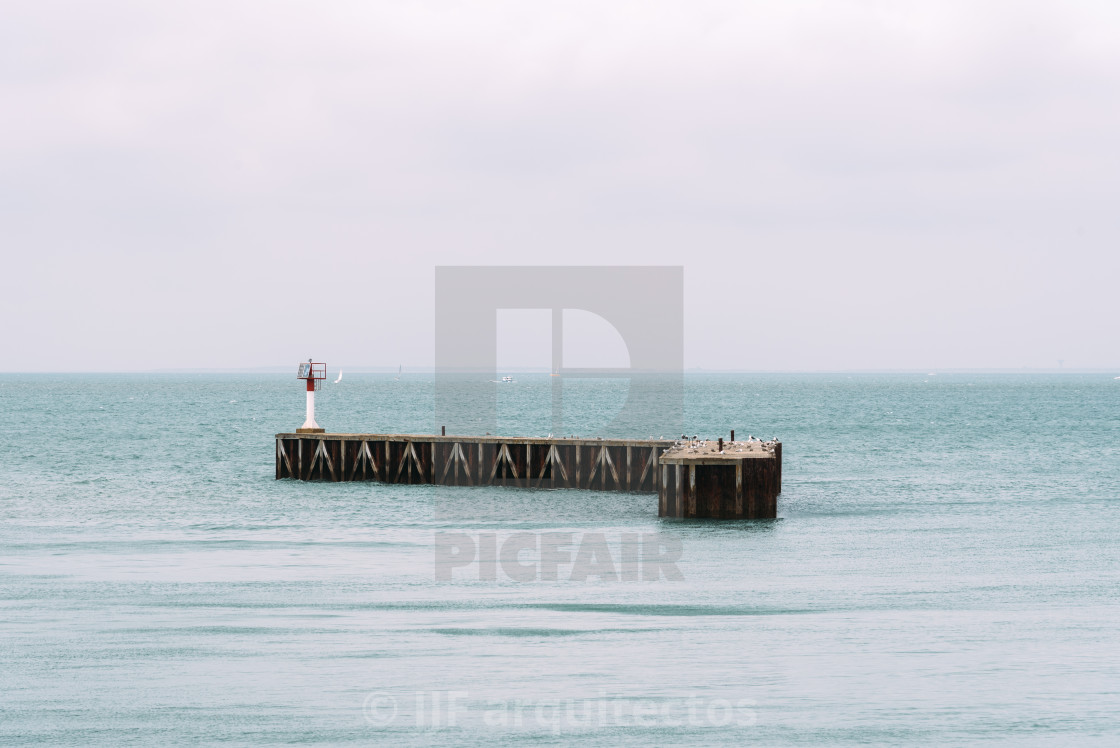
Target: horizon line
(430,370)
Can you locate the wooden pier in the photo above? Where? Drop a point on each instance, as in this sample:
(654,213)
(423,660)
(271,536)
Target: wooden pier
(689,482)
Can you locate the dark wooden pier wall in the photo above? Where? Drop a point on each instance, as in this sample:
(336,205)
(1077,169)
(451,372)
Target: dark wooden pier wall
(604,465)
(718,486)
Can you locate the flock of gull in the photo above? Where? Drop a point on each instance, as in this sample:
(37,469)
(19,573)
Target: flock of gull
(696,444)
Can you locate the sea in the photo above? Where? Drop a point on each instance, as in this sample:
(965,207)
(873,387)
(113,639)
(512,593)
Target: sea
(944,570)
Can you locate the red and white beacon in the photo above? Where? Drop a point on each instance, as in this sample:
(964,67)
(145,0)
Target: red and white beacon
(314,374)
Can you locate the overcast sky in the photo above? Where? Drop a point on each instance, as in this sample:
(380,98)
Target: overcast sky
(848,185)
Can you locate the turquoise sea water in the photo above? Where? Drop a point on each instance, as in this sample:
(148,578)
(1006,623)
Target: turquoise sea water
(945,570)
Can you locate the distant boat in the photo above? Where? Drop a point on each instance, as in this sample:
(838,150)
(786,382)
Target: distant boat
(1116,377)
(503,380)
(399,369)
(339,377)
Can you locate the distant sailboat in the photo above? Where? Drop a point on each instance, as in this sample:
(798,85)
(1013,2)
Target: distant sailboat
(339,377)
(399,369)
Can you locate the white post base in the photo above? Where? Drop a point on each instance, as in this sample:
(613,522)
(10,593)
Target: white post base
(309,424)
